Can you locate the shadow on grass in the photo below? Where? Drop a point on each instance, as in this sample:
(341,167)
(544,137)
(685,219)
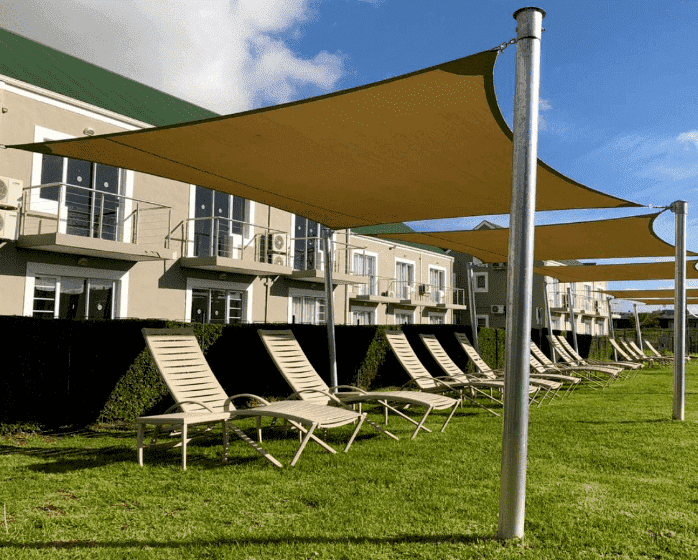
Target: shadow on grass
(451,538)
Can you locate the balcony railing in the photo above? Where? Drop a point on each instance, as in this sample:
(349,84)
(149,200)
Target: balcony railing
(423,294)
(85,212)
(309,254)
(581,304)
(234,239)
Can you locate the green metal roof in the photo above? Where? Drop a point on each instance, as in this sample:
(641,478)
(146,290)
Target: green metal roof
(42,66)
(396,228)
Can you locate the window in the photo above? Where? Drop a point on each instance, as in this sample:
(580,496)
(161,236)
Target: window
(362,316)
(437,318)
(554,294)
(308,309)
(483,321)
(480,281)
(404,273)
(404,317)
(308,244)
(437,280)
(66,297)
(92,205)
(588,327)
(365,265)
(220,223)
(217,306)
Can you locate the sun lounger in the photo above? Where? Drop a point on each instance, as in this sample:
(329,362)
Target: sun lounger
(609,372)
(547,385)
(199,398)
(619,367)
(667,359)
(582,372)
(309,386)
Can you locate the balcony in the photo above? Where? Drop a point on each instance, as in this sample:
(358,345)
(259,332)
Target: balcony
(309,261)
(225,245)
(65,218)
(391,290)
(582,305)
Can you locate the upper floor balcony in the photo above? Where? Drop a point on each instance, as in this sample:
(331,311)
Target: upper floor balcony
(581,304)
(73,219)
(401,292)
(227,245)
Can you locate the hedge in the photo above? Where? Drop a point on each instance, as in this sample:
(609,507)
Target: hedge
(76,373)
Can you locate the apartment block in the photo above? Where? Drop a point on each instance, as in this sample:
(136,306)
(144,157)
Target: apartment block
(90,241)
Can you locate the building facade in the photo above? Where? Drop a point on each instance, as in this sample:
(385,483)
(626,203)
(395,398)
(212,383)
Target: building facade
(82,240)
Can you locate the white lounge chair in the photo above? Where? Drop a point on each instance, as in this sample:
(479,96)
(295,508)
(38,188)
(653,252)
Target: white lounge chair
(199,398)
(309,386)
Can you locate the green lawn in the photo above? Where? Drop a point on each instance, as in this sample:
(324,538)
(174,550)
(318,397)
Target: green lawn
(610,475)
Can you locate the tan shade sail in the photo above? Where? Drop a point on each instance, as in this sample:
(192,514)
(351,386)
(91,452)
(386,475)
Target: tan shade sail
(602,239)
(664,301)
(429,144)
(643,294)
(616,272)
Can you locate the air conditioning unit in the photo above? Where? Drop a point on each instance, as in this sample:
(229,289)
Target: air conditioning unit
(279,260)
(498,309)
(440,296)
(389,293)
(276,243)
(8,224)
(499,265)
(10,192)
(424,289)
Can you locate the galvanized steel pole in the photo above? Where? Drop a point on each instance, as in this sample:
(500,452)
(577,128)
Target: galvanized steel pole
(680,208)
(573,319)
(638,332)
(471,303)
(549,318)
(611,332)
(512,500)
(329,306)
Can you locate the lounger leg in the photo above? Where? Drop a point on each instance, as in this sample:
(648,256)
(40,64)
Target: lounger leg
(139,444)
(453,411)
(304,442)
(419,425)
(403,415)
(184,446)
(259,429)
(356,431)
(254,445)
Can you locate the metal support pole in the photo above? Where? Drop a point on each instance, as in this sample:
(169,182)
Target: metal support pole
(573,319)
(471,304)
(548,318)
(638,332)
(512,499)
(329,307)
(680,208)
(610,327)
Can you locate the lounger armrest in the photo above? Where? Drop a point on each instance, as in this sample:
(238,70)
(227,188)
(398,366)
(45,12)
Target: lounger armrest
(229,400)
(180,403)
(350,388)
(328,395)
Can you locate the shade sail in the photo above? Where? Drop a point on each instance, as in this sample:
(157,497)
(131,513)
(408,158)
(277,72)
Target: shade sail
(664,301)
(425,145)
(601,239)
(644,294)
(617,272)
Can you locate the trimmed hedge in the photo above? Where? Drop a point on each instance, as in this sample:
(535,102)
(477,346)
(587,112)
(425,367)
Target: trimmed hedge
(74,373)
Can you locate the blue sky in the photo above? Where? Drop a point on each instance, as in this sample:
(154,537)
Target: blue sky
(617,87)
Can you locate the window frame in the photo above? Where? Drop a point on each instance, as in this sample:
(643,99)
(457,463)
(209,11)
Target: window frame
(203,284)
(484,275)
(120,279)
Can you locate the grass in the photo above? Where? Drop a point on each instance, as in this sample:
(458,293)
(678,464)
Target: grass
(610,475)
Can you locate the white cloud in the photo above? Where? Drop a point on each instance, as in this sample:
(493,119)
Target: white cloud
(226,56)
